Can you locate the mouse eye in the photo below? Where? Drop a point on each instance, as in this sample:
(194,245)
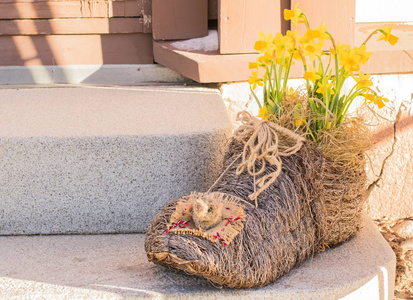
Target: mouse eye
(210,209)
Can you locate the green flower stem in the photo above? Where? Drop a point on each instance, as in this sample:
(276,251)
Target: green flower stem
(341,78)
(348,103)
(280,69)
(304,16)
(312,135)
(335,57)
(269,77)
(287,72)
(351,96)
(329,60)
(304,66)
(255,97)
(274,67)
(351,93)
(340,108)
(371,34)
(326,94)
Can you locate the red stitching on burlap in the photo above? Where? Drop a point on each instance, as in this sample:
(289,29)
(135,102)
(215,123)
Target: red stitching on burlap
(179,223)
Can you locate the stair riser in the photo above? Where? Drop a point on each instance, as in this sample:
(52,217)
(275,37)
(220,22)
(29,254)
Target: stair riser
(52,185)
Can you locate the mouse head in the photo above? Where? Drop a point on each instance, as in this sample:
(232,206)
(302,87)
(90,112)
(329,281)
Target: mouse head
(207,209)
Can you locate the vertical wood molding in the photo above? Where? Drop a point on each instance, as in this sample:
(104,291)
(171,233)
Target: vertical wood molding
(146,13)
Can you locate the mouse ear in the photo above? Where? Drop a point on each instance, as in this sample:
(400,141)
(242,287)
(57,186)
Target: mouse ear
(188,208)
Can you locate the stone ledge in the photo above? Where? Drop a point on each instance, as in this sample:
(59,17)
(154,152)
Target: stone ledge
(115,267)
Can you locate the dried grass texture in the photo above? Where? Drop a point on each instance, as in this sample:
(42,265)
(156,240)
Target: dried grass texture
(314,204)
(344,144)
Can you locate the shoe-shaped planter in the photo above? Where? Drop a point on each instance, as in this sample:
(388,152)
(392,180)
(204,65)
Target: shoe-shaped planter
(246,233)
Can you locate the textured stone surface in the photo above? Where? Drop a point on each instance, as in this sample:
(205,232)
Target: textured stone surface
(391,196)
(115,266)
(93,160)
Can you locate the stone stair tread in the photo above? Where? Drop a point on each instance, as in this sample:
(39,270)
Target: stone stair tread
(108,111)
(115,267)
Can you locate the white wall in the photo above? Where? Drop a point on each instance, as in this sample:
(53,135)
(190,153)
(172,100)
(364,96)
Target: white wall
(384,11)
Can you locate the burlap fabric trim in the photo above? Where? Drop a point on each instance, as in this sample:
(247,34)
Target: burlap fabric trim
(233,218)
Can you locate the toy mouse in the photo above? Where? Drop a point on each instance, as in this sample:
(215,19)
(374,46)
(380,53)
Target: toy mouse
(206,213)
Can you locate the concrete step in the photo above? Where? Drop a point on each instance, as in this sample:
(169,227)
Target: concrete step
(90,74)
(115,267)
(76,159)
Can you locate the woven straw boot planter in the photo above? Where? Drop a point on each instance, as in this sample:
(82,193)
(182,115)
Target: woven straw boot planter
(281,197)
(278,200)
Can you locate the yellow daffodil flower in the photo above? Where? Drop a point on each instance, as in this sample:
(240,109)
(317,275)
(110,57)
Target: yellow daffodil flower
(364,56)
(363,80)
(264,42)
(293,39)
(312,34)
(263,113)
(349,59)
(291,92)
(322,89)
(254,80)
(293,35)
(387,36)
(295,53)
(312,75)
(313,49)
(317,33)
(380,101)
(293,15)
(299,119)
(298,53)
(283,44)
(340,48)
(278,61)
(376,99)
(253,65)
(322,29)
(299,122)
(266,58)
(369,98)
